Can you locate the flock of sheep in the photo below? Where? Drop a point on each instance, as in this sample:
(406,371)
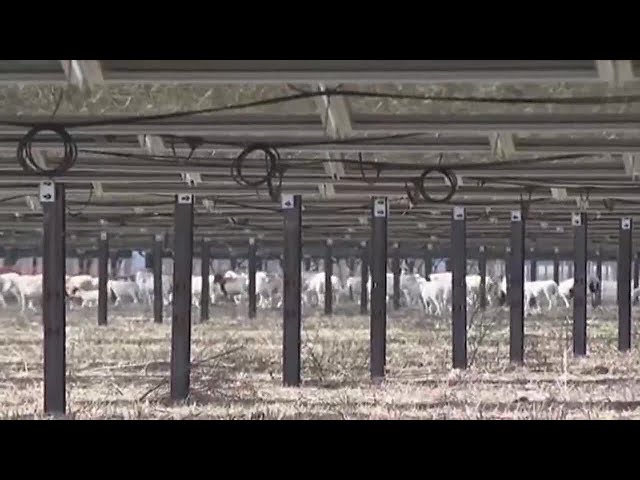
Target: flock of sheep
(432,293)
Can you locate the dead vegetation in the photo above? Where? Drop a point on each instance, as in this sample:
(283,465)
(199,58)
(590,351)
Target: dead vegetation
(121,371)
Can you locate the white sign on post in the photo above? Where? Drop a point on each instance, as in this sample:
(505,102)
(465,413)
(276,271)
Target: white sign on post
(626,223)
(516,215)
(287,201)
(47,191)
(380,207)
(576,220)
(185,198)
(458,213)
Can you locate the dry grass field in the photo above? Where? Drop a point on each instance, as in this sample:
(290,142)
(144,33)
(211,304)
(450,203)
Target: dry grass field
(121,371)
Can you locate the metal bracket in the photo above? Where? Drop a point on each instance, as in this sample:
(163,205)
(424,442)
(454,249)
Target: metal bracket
(626,223)
(516,215)
(576,219)
(185,198)
(47,191)
(458,213)
(380,207)
(287,201)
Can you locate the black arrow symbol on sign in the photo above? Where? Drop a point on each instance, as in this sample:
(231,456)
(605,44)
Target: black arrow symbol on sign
(46,196)
(287,203)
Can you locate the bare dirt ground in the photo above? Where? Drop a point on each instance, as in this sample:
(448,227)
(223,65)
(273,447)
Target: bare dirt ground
(121,371)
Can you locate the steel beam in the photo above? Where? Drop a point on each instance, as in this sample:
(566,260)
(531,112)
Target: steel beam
(252,277)
(516,291)
(488,123)
(123,72)
(103,274)
(158,301)
(469,144)
(459,288)
(624,283)
(636,269)
(579,222)
(181,318)
(52,198)
(378,319)
(615,72)
(83,73)
(336,118)
(292,321)
(205,296)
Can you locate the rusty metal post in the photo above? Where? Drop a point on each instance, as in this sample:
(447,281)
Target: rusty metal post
(292,321)
(516,292)
(428,261)
(52,198)
(533,265)
(482,271)
(579,222)
(395,269)
(624,283)
(597,296)
(328,273)
(205,297)
(157,278)
(458,257)
(556,265)
(103,273)
(252,277)
(378,319)
(364,278)
(181,315)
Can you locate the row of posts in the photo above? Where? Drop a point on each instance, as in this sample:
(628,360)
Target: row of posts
(52,199)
